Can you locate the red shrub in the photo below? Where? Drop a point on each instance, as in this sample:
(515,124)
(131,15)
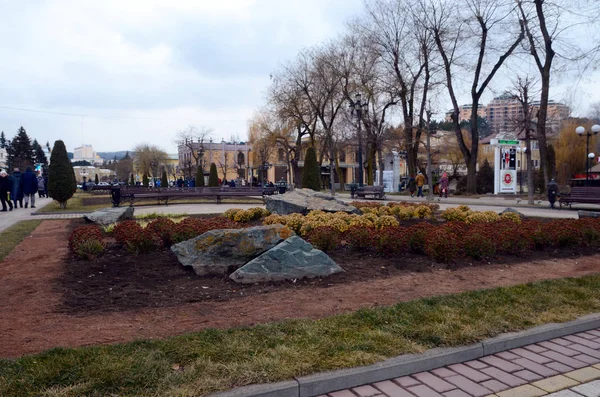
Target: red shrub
(391,241)
(478,242)
(416,236)
(563,233)
(83,234)
(193,227)
(324,238)
(360,238)
(127,231)
(164,229)
(135,238)
(441,244)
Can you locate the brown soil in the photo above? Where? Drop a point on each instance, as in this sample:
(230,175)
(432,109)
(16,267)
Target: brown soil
(49,300)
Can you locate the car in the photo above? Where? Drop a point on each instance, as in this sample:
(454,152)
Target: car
(103,184)
(79,186)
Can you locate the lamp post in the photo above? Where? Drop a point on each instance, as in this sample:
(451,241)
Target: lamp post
(581,131)
(357,109)
(521,150)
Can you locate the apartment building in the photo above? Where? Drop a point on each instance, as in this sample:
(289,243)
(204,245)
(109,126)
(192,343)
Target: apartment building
(465,112)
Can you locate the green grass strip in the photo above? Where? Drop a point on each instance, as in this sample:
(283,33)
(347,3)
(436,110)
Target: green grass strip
(12,236)
(212,360)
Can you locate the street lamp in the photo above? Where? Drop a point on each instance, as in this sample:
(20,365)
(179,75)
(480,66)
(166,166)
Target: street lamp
(357,109)
(581,131)
(521,150)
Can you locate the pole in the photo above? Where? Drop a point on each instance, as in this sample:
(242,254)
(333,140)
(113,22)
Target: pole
(429,176)
(360,153)
(521,174)
(587,159)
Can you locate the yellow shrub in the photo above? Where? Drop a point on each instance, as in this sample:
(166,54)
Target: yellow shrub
(483,217)
(511,216)
(456,214)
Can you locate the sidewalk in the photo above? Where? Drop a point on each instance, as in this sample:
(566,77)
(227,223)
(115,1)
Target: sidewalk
(561,367)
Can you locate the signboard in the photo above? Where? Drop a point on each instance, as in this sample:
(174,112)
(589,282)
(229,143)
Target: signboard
(508,182)
(507,142)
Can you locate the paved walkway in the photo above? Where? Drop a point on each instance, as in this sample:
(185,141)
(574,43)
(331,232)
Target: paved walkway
(562,367)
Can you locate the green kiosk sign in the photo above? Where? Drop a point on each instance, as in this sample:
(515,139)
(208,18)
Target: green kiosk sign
(507,142)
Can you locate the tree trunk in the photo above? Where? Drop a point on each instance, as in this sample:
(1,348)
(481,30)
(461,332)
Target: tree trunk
(331,169)
(381,166)
(530,186)
(472,175)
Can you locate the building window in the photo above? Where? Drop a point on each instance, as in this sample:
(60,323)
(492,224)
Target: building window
(535,145)
(342,156)
(240,159)
(536,163)
(281,155)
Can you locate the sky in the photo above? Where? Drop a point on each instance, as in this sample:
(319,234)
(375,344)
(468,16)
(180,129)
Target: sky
(117,73)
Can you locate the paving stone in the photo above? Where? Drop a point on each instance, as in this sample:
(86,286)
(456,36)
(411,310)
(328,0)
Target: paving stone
(504,377)
(584,374)
(587,359)
(539,369)
(561,341)
(468,386)
(406,381)
(561,358)
(476,364)
(494,385)
(522,391)
(507,356)
(469,372)
(535,357)
(586,350)
(586,335)
(342,393)
(596,366)
(366,391)
(423,391)
(391,389)
(591,389)
(500,363)
(559,367)
(584,342)
(443,372)
(527,375)
(594,332)
(535,348)
(434,382)
(558,348)
(555,383)
(564,393)
(456,393)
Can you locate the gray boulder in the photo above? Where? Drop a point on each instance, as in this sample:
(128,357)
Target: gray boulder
(588,214)
(514,211)
(106,216)
(292,259)
(305,200)
(217,251)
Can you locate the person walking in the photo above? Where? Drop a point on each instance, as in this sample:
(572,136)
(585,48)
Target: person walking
(30,187)
(5,187)
(552,192)
(412,186)
(420,179)
(444,182)
(45,176)
(41,186)
(16,192)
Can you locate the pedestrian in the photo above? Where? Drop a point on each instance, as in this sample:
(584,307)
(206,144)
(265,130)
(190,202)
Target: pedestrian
(420,179)
(16,192)
(444,182)
(30,187)
(45,176)
(41,186)
(232,183)
(552,192)
(5,187)
(412,186)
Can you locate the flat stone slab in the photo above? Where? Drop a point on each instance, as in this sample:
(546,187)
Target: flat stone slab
(106,216)
(588,214)
(219,251)
(292,259)
(305,200)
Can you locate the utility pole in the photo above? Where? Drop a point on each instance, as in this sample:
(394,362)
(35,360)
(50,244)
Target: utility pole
(429,174)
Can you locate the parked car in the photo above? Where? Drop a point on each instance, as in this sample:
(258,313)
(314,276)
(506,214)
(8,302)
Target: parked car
(103,184)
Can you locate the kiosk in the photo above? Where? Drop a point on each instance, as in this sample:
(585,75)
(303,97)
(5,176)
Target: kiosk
(505,165)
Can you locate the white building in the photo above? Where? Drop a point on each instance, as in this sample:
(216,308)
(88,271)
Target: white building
(86,153)
(3,158)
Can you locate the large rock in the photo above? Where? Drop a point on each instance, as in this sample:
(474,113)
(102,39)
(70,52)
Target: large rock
(588,214)
(305,200)
(217,251)
(512,210)
(106,216)
(292,259)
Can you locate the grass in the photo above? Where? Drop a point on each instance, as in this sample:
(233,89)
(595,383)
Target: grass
(12,236)
(212,360)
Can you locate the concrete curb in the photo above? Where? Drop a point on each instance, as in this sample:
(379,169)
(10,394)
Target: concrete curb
(326,382)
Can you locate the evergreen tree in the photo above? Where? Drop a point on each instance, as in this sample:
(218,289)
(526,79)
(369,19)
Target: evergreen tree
(96,179)
(61,182)
(213,178)
(310,174)
(145,180)
(127,156)
(164,181)
(485,178)
(131,181)
(20,151)
(3,140)
(199,177)
(40,156)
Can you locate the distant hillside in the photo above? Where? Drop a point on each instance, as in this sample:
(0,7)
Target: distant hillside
(111,155)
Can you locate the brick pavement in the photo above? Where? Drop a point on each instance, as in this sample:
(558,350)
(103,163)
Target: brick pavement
(562,367)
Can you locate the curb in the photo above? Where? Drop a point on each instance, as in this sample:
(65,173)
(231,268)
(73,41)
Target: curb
(326,382)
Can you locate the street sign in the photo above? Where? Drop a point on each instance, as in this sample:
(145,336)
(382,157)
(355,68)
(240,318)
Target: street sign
(507,142)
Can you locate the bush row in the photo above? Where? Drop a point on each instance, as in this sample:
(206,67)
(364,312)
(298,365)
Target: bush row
(463,213)
(447,242)
(243,216)
(86,242)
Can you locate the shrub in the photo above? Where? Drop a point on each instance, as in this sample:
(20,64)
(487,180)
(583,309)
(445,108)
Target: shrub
(86,241)
(135,238)
(163,228)
(391,241)
(477,244)
(199,177)
(511,216)
(145,180)
(360,238)
(248,215)
(483,217)
(441,244)
(324,238)
(311,178)
(457,214)
(164,181)
(213,178)
(417,235)
(61,183)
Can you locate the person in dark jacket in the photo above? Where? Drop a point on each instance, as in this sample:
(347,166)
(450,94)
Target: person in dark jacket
(30,187)
(412,186)
(5,187)
(45,176)
(41,186)
(16,192)
(552,192)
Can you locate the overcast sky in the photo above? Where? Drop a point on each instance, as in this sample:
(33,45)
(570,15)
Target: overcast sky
(124,72)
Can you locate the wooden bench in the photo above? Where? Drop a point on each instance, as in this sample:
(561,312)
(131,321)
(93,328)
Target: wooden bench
(164,195)
(580,194)
(375,192)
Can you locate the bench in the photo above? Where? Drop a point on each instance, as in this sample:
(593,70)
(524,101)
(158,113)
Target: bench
(375,192)
(164,195)
(580,194)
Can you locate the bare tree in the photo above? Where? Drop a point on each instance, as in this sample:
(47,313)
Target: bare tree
(148,159)
(194,138)
(490,26)
(225,165)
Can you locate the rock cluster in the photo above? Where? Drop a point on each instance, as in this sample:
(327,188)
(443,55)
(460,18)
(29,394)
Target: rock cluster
(305,200)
